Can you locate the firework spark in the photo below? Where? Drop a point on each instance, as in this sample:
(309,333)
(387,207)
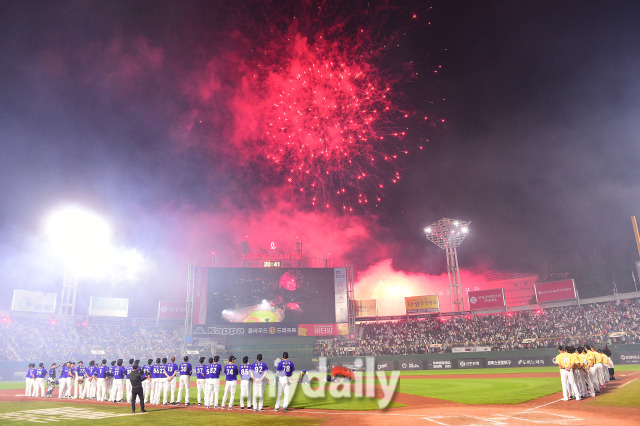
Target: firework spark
(319,113)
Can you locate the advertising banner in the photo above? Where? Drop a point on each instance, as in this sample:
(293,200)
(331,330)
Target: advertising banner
(108,307)
(531,361)
(555,290)
(470,363)
(341,329)
(168,309)
(460,349)
(342,302)
(628,357)
(384,366)
(486,299)
(500,363)
(439,364)
(366,308)
(201,280)
(34,301)
(415,364)
(421,304)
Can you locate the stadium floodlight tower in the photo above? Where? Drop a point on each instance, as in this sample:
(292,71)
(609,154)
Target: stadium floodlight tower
(448,235)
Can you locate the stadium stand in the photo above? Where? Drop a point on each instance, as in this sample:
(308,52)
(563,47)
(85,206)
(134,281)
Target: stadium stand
(547,328)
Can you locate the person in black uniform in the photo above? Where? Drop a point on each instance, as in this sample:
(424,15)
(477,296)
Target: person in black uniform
(136,378)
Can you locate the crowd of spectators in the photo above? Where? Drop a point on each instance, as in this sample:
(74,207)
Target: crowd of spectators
(48,340)
(546,328)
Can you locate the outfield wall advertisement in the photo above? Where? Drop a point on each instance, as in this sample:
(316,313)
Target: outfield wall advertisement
(34,301)
(422,304)
(108,307)
(341,329)
(486,299)
(555,290)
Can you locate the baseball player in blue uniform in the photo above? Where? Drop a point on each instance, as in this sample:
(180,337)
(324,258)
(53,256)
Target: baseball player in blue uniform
(110,372)
(259,375)
(89,382)
(71,379)
(162,380)
(185,381)
(101,383)
(146,384)
(201,381)
(284,371)
(29,381)
(64,375)
(155,381)
(213,382)
(231,373)
(40,374)
(245,382)
(119,373)
(170,385)
(78,380)
(127,381)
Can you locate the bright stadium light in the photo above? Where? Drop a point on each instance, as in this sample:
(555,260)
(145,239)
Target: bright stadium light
(448,234)
(74,231)
(81,237)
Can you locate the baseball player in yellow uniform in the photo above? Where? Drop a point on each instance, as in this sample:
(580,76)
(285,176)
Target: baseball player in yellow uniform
(593,369)
(584,381)
(566,363)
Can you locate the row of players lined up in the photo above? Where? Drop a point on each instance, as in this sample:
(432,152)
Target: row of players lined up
(583,371)
(158,381)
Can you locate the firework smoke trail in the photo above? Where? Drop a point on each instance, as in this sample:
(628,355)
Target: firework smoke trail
(314,107)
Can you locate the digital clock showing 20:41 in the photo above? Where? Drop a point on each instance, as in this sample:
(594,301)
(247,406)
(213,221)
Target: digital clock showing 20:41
(271,264)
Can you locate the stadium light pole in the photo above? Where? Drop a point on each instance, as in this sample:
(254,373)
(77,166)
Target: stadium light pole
(77,235)
(448,235)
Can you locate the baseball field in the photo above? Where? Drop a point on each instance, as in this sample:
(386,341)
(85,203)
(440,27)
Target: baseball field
(516,396)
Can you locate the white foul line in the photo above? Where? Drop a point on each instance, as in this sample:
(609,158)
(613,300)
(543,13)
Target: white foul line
(540,406)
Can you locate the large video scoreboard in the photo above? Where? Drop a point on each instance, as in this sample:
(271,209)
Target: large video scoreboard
(271,300)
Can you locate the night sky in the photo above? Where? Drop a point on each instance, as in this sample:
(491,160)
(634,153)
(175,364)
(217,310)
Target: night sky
(156,116)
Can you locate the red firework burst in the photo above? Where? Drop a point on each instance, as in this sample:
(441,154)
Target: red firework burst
(326,121)
(324,117)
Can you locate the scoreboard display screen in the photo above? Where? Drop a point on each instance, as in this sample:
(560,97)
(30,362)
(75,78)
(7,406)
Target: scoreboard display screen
(271,295)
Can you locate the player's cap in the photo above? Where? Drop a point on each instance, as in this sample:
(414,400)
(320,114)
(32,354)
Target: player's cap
(245,359)
(285,355)
(232,358)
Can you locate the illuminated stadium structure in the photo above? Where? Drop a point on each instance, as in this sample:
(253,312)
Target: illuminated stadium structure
(448,234)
